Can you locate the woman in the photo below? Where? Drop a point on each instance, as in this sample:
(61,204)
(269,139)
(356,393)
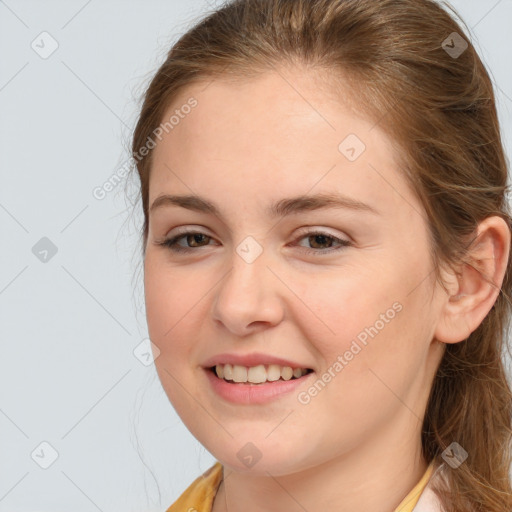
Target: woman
(326,247)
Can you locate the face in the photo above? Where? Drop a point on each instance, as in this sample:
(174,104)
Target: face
(342,294)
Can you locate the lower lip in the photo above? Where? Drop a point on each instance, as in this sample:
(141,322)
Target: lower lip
(247,393)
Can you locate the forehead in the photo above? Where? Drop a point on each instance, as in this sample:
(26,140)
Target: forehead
(281,133)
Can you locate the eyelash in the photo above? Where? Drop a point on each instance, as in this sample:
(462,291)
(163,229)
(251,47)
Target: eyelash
(172,243)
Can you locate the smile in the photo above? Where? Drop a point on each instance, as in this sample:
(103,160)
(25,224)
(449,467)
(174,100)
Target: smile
(252,385)
(257,374)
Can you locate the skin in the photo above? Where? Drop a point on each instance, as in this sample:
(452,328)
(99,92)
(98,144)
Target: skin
(356,445)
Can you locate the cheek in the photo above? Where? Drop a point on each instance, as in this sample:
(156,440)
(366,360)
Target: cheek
(384,349)
(169,306)
(370,320)
(159,298)
(356,308)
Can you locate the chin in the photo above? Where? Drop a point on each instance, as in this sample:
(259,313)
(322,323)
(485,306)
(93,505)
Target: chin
(260,458)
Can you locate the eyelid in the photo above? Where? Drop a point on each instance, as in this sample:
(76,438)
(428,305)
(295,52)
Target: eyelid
(305,229)
(319,229)
(171,242)
(181,230)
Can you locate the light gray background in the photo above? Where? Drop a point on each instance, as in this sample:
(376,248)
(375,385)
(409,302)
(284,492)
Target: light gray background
(69,326)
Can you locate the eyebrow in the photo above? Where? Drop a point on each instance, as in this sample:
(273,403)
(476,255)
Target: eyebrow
(281,208)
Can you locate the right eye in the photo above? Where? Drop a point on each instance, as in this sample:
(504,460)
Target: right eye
(191,236)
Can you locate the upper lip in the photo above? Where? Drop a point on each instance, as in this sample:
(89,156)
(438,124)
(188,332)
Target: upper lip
(253,359)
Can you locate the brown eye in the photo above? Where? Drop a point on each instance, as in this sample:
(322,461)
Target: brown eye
(195,238)
(192,238)
(318,241)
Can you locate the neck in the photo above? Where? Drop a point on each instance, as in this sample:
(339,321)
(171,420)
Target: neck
(375,476)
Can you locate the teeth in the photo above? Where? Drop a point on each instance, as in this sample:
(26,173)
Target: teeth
(228,372)
(239,373)
(286,373)
(258,374)
(273,372)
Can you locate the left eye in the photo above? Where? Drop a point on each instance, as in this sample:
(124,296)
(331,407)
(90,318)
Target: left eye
(319,238)
(314,237)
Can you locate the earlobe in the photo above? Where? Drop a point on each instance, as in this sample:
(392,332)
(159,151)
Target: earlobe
(476,286)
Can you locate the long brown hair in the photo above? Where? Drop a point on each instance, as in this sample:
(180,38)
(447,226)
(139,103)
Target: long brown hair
(408,72)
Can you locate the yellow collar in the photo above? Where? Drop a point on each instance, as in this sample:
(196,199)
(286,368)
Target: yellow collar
(199,496)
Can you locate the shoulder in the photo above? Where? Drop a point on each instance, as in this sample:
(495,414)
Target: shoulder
(199,495)
(429,501)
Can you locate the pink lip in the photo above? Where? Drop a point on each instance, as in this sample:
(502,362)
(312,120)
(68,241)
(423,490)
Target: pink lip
(247,393)
(250,360)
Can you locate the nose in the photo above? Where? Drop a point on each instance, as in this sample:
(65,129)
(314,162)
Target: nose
(249,297)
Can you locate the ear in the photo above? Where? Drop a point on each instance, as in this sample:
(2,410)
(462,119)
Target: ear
(471,296)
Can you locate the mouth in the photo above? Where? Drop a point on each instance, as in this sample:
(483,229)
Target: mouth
(255,375)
